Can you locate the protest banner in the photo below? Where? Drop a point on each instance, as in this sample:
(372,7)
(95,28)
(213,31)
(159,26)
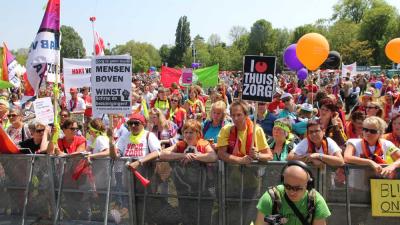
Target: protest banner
(258,78)
(77,73)
(385,197)
(44,110)
(111,84)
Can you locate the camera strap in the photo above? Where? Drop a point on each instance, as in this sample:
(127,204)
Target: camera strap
(296,211)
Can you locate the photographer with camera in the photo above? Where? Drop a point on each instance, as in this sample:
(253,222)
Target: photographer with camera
(295,201)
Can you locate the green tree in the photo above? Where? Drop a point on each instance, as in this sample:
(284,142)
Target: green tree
(260,34)
(357,51)
(375,24)
(143,55)
(202,52)
(341,33)
(214,40)
(182,41)
(71,43)
(352,10)
(165,52)
(236,32)
(219,55)
(302,30)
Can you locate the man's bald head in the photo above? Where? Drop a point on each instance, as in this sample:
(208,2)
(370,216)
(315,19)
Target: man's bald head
(297,173)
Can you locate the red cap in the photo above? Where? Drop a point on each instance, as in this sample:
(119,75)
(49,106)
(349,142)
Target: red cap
(73,90)
(139,117)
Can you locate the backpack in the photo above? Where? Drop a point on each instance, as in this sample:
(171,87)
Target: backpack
(277,202)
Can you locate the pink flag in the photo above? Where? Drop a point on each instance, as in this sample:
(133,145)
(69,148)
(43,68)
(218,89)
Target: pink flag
(99,45)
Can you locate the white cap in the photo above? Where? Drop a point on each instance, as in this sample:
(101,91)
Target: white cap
(286,95)
(367,93)
(307,107)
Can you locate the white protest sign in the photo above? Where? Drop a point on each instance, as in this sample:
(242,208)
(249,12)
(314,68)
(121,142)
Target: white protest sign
(77,73)
(44,110)
(111,84)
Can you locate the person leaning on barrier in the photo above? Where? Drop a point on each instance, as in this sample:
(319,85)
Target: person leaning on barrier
(282,140)
(212,126)
(372,150)
(39,141)
(316,148)
(71,143)
(294,201)
(234,141)
(98,144)
(139,143)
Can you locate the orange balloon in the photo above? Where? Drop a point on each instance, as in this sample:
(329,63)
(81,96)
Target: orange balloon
(392,50)
(312,50)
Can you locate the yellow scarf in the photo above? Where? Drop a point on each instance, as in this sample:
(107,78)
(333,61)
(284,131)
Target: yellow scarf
(163,106)
(135,139)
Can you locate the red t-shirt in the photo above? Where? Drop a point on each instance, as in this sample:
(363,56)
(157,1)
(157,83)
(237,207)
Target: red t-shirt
(88,110)
(70,148)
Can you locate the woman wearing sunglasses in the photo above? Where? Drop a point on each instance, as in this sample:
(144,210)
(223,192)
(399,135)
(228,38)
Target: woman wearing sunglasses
(165,130)
(374,109)
(71,143)
(176,113)
(372,150)
(18,131)
(194,106)
(393,131)
(39,141)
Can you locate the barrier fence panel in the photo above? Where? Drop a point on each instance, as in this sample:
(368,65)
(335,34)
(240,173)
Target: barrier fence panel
(13,177)
(194,193)
(83,197)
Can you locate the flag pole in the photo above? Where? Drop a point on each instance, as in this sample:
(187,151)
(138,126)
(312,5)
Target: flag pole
(92,19)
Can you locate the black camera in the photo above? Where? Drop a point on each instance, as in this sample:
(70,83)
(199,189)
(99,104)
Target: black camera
(190,150)
(276,219)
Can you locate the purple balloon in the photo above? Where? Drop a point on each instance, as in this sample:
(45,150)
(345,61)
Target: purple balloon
(290,58)
(302,73)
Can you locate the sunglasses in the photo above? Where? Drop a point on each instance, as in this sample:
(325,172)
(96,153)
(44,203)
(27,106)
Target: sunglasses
(73,128)
(293,188)
(174,100)
(39,130)
(12,115)
(371,131)
(64,115)
(285,99)
(371,107)
(135,123)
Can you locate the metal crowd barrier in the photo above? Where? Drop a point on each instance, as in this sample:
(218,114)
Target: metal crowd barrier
(38,189)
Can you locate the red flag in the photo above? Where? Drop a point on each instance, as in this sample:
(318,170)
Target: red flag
(99,44)
(170,75)
(7,146)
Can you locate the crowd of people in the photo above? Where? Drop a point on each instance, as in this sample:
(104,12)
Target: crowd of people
(333,121)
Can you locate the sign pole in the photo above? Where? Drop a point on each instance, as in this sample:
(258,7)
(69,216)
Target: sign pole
(255,120)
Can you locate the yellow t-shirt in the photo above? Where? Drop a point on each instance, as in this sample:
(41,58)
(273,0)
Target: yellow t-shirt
(223,138)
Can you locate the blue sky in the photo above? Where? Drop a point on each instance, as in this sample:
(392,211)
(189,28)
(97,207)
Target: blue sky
(154,21)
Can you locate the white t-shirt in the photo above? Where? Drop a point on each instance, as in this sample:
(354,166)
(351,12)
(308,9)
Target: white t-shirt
(101,143)
(302,148)
(80,105)
(138,151)
(357,143)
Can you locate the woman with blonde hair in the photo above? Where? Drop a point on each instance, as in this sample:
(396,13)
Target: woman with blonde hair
(165,130)
(218,119)
(374,109)
(372,150)
(194,106)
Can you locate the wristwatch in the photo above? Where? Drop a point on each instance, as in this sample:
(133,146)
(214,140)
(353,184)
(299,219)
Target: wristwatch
(320,156)
(140,162)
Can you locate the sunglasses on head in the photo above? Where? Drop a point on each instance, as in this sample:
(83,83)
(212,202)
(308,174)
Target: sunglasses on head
(293,188)
(371,131)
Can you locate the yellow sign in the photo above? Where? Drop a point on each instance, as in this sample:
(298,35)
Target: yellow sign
(385,197)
